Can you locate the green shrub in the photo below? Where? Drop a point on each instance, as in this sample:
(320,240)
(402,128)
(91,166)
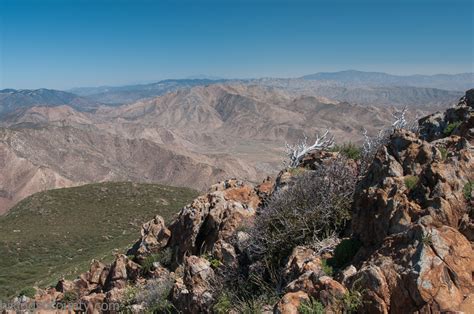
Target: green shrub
(215,263)
(352,301)
(163,257)
(451,127)
(311,306)
(250,305)
(70,297)
(411,182)
(427,239)
(223,304)
(130,295)
(467,190)
(28,292)
(327,269)
(344,252)
(349,150)
(444,152)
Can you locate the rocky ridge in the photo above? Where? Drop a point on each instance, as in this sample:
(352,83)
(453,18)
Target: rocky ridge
(412,217)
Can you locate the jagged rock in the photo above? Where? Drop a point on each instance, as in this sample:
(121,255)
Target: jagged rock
(304,282)
(159,272)
(193,294)
(319,286)
(346,273)
(154,236)
(95,274)
(213,216)
(417,256)
(265,189)
(225,253)
(383,205)
(329,291)
(424,268)
(302,260)
(121,271)
(433,127)
(290,302)
(64,285)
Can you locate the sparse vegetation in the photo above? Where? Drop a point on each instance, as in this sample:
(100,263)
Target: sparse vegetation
(155,294)
(163,257)
(427,239)
(223,304)
(28,292)
(411,182)
(327,269)
(448,130)
(352,301)
(467,190)
(296,171)
(311,306)
(245,293)
(444,152)
(349,150)
(314,207)
(70,297)
(57,233)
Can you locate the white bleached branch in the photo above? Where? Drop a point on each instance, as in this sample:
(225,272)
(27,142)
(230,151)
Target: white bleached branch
(400,119)
(298,151)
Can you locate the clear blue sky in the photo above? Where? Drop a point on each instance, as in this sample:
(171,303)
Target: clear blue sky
(63,44)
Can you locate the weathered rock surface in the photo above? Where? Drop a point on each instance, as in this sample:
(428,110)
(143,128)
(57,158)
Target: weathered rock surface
(154,236)
(408,211)
(212,217)
(193,293)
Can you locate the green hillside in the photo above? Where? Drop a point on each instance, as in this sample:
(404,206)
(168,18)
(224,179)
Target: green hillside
(56,233)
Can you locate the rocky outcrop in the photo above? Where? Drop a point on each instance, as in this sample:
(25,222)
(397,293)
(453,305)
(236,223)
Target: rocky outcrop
(457,121)
(194,292)
(154,237)
(212,217)
(408,211)
(410,181)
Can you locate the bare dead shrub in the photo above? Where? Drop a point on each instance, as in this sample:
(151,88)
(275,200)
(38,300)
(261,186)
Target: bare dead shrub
(313,208)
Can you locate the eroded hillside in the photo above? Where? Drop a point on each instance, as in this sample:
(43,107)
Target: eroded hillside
(190,137)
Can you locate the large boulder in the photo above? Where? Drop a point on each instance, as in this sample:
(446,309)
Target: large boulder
(426,268)
(212,217)
(154,236)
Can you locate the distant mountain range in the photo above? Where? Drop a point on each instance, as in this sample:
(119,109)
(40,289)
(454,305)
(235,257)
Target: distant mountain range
(372,88)
(12,100)
(127,94)
(457,82)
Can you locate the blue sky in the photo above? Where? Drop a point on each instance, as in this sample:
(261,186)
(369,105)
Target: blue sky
(63,44)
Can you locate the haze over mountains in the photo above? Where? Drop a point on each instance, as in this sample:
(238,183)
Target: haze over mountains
(190,132)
